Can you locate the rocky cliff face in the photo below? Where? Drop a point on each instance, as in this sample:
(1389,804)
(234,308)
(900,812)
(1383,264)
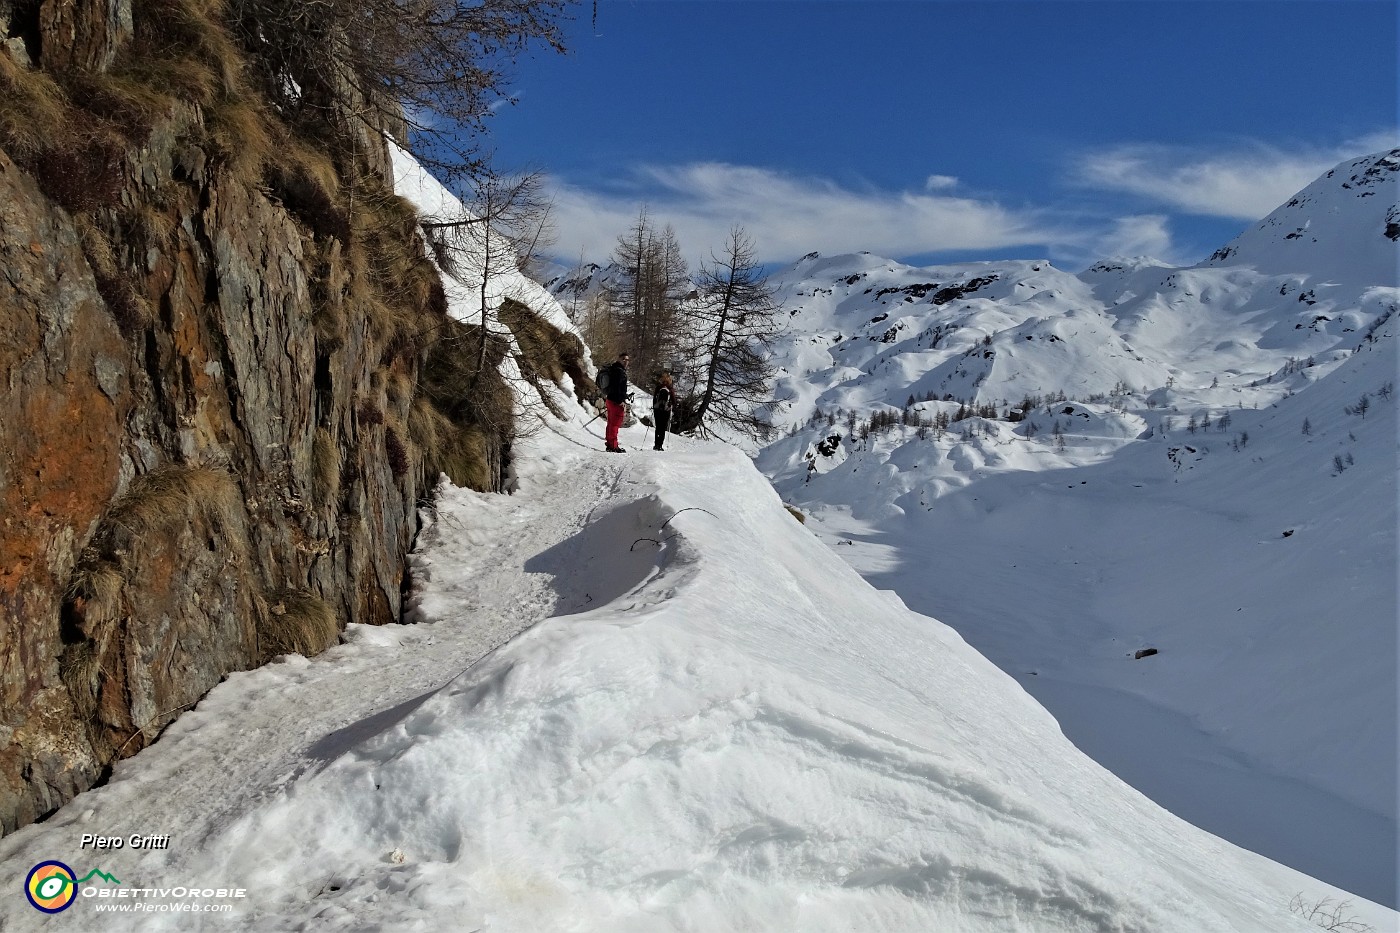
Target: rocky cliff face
(214,440)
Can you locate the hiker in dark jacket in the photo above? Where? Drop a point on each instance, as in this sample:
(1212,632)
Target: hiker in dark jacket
(616,397)
(662,401)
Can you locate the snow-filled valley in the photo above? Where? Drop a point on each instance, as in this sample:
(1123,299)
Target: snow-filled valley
(639,694)
(1203,463)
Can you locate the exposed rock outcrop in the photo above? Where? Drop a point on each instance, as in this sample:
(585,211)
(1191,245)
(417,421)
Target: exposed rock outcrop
(213,407)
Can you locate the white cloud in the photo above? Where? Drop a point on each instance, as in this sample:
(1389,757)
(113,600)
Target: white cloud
(788,216)
(1245,184)
(1138,235)
(940,182)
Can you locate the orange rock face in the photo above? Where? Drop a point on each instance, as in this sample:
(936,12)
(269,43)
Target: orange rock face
(163,387)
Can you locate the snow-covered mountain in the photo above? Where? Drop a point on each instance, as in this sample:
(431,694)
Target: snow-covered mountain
(1344,223)
(573,287)
(1199,460)
(868,330)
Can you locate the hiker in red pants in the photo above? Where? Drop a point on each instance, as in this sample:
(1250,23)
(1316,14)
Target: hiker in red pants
(614,386)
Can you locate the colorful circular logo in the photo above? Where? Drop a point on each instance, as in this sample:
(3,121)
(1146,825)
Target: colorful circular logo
(51,887)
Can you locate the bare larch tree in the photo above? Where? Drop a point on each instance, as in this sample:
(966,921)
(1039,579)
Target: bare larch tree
(732,322)
(645,295)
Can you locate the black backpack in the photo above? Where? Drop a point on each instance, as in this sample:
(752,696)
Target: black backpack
(604,379)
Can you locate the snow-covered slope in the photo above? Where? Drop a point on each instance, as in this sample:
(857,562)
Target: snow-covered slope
(464,287)
(1259,559)
(720,727)
(1344,222)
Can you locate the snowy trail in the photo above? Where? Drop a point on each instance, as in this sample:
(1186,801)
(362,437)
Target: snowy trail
(260,731)
(700,720)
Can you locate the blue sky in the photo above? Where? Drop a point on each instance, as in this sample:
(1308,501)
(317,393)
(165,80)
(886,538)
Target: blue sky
(946,131)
